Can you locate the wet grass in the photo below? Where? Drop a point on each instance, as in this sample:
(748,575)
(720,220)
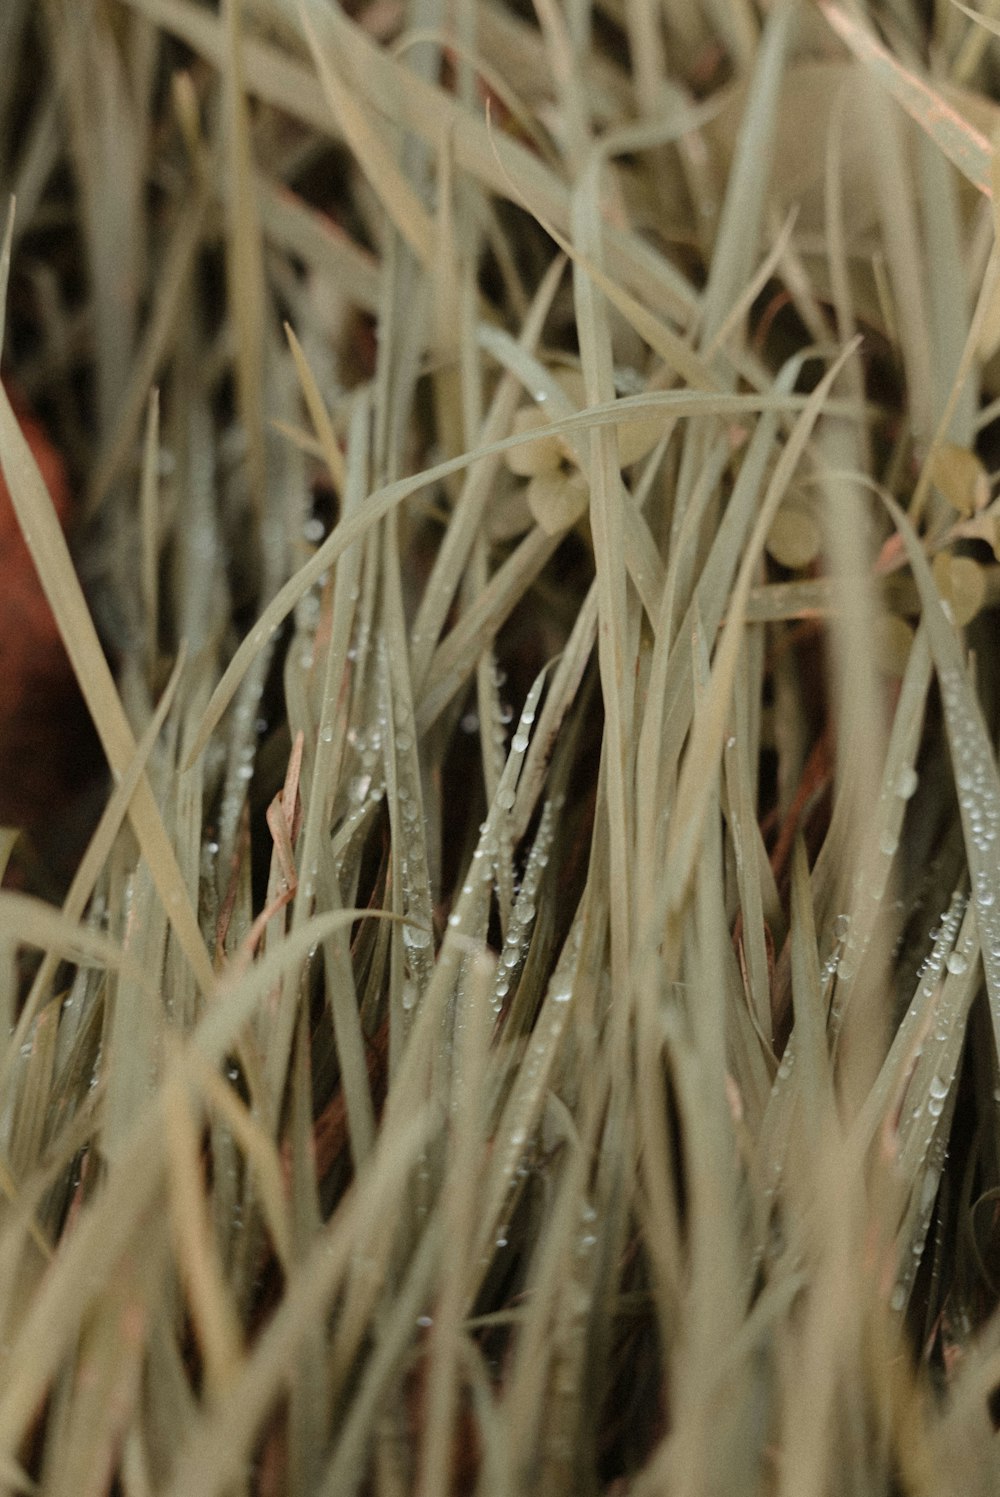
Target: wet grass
(520,1012)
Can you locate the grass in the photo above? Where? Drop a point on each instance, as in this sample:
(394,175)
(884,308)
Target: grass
(522,1013)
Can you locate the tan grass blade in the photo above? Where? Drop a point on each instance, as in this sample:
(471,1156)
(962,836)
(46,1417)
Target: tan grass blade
(221,1440)
(973,761)
(30,921)
(395,193)
(694,787)
(50,554)
(245,258)
(382,500)
(955,137)
(736,243)
(171,286)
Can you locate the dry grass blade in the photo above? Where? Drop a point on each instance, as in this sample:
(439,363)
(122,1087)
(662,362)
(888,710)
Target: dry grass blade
(219,1446)
(245,254)
(954,136)
(394,191)
(49,551)
(740,223)
(317,413)
(241,990)
(170,289)
(95,858)
(52,1321)
(811,1045)
(34,923)
(694,787)
(212,1310)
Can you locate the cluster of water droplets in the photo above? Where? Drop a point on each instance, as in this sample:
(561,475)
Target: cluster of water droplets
(515,948)
(501,714)
(495,832)
(491,859)
(364,787)
(586,1237)
(979,801)
(947,962)
(943,982)
(830,969)
(364,781)
(942,957)
(398,741)
(852,936)
(496,752)
(525,1104)
(307,617)
(244,736)
(923,1215)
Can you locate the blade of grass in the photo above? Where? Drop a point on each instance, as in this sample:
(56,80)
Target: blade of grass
(209,1297)
(694,786)
(973,763)
(395,193)
(222,1438)
(244,256)
(383,499)
(955,137)
(739,228)
(45,540)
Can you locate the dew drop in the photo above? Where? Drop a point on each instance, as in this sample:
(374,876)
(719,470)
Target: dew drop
(358,787)
(929,1189)
(906,782)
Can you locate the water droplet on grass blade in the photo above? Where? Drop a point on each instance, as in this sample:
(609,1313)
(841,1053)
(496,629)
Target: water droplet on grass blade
(906,782)
(416,937)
